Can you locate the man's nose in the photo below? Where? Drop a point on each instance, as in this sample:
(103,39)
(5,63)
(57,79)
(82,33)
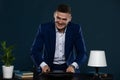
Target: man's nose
(60,21)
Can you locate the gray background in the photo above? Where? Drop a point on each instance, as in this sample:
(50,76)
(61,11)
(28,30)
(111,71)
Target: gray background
(19,20)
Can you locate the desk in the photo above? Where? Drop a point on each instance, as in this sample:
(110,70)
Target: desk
(67,76)
(25,78)
(71,76)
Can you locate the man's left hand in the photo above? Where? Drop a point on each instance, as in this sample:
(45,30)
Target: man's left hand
(70,69)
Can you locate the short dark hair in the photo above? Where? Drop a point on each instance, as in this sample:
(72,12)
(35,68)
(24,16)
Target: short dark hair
(64,8)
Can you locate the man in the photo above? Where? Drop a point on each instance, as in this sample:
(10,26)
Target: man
(59,45)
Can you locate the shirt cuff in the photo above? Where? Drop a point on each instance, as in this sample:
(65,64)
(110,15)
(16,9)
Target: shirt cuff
(75,65)
(43,64)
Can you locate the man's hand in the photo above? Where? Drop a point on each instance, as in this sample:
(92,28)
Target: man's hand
(70,69)
(45,69)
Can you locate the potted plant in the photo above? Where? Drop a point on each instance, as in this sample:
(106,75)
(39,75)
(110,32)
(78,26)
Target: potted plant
(7,58)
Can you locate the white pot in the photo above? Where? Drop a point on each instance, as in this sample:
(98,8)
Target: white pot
(7,72)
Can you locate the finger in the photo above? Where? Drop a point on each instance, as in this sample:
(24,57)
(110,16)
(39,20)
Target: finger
(47,70)
(67,70)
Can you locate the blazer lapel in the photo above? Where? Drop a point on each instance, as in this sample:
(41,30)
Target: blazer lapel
(68,38)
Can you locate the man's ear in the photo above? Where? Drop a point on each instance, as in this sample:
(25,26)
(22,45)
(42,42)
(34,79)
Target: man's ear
(70,18)
(54,14)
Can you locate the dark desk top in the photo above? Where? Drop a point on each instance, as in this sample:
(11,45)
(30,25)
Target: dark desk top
(69,76)
(73,76)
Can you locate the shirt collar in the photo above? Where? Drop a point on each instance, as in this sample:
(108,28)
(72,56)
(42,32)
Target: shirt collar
(58,31)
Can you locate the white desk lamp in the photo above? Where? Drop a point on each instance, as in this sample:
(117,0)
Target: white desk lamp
(97,59)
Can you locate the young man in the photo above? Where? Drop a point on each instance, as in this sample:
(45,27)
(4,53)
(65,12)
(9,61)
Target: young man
(59,45)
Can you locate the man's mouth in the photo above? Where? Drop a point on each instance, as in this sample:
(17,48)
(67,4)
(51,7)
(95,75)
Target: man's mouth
(62,24)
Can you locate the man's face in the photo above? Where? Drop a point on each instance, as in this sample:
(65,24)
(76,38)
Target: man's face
(61,20)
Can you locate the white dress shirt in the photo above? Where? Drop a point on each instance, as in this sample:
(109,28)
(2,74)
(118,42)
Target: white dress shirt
(59,57)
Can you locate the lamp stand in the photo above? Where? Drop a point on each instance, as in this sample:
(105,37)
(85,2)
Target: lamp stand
(97,71)
(96,75)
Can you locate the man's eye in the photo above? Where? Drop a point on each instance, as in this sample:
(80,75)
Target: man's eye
(64,19)
(58,18)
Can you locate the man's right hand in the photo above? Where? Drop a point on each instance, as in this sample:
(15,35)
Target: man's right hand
(45,69)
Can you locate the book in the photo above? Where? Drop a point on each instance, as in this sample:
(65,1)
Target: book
(23,74)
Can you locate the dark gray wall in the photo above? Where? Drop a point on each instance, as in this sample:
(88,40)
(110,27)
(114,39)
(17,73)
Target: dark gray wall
(19,20)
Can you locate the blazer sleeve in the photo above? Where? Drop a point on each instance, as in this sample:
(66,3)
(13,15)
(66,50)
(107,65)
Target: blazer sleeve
(80,47)
(37,47)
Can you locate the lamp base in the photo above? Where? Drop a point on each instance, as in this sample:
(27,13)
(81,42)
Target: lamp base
(98,76)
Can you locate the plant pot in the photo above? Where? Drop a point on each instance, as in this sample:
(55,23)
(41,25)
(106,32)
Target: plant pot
(7,72)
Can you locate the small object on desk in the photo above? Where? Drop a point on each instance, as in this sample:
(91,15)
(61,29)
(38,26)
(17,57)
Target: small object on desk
(23,74)
(102,76)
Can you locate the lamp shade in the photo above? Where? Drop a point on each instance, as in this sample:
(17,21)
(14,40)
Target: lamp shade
(97,58)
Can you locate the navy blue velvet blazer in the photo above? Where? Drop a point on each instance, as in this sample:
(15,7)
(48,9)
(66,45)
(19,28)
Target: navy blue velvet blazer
(43,47)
